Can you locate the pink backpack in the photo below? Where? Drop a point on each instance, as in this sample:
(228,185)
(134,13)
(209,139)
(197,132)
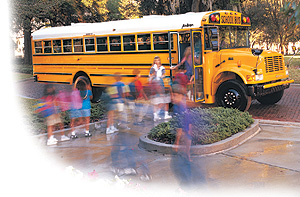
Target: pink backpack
(64,100)
(76,99)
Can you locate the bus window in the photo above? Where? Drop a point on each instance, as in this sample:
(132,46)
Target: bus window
(89,44)
(115,43)
(47,47)
(102,44)
(197,48)
(233,37)
(38,47)
(129,43)
(78,45)
(57,46)
(144,42)
(67,46)
(160,41)
(207,36)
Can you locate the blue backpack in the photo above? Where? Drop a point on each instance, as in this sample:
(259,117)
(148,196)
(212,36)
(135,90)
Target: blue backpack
(132,89)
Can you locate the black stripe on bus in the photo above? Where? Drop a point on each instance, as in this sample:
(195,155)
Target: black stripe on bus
(54,82)
(42,73)
(149,65)
(112,75)
(101,53)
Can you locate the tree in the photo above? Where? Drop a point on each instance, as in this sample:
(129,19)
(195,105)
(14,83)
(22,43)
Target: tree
(267,18)
(292,10)
(29,15)
(23,16)
(113,10)
(129,9)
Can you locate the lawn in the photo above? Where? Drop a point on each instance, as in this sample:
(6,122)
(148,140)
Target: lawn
(294,68)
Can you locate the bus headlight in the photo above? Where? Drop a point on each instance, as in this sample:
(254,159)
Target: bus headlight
(259,77)
(286,72)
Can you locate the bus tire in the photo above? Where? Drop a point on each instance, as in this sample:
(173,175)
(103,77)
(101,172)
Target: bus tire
(97,92)
(232,94)
(271,99)
(82,80)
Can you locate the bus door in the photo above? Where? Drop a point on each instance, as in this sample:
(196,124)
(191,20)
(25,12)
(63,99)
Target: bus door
(172,45)
(197,54)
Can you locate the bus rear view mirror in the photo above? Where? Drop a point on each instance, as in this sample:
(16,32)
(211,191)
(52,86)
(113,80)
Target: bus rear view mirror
(257,52)
(214,33)
(214,45)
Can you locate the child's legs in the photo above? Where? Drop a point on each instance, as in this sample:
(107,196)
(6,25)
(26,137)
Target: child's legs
(50,130)
(51,122)
(86,113)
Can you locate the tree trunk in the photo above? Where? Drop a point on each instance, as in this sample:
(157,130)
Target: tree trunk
(27,47)
(196,5)
(27,41)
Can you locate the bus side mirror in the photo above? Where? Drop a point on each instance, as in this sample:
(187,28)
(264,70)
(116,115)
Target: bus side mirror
(257,52)
(214,33)
(214,39)
(214,45)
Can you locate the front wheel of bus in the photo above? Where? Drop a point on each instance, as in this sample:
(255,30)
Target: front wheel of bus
(271,99)
(232,94)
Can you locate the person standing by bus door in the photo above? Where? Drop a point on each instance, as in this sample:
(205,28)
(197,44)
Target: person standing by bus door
(187,61)
(160,99)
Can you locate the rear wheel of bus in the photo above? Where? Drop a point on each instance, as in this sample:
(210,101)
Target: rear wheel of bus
(84,81)
(232,94)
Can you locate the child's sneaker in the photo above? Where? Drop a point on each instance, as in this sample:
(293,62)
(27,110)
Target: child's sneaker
(167,116)
(87,134)
(73,135)
(113,128)
(156,117)
(64,138)
(129,171)
(51,141)
(109,131)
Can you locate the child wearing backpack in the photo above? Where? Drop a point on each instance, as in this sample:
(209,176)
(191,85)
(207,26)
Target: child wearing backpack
(140,97)
(48,108)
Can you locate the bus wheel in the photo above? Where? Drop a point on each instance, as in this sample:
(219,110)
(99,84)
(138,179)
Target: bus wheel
(271,99)
(81,83)
(232,94)
(97,92)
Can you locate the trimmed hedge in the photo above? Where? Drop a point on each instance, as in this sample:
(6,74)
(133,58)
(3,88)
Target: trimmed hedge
(209,125)
(37,122)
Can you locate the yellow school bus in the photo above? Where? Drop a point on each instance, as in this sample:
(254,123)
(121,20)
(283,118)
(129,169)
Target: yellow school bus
(227,71)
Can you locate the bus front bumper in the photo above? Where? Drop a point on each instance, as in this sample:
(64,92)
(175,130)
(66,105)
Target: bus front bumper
(259,90)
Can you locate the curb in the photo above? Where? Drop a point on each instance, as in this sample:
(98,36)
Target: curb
(278,123)
(224,145)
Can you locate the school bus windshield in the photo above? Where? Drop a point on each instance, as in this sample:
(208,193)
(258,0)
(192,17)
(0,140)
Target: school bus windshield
(233,37)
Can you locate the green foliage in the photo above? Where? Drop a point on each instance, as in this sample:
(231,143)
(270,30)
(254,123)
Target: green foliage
(37,123)
(209,125)
(294,68)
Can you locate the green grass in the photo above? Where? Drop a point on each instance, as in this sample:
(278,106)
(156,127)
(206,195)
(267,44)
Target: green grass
(21,76)
(294,68)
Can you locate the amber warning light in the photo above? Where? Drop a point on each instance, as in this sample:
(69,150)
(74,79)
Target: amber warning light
(214,18)
(246,20)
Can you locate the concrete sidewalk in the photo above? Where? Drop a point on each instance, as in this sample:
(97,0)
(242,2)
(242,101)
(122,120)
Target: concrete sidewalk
(268,160)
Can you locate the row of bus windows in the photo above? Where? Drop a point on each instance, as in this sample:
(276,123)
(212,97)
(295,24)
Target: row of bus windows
(103,44)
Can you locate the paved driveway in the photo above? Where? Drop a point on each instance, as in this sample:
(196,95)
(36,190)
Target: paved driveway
(287,109)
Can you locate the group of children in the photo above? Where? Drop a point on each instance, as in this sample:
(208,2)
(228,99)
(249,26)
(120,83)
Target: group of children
(118,98)
(77,103)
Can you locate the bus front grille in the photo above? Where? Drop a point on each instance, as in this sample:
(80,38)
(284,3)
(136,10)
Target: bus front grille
(274,63)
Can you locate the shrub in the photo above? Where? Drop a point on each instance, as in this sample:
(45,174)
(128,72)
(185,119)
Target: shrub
(208,125)
(37,123)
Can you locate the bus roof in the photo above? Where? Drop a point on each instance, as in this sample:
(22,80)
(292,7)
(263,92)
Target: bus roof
(145,24)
